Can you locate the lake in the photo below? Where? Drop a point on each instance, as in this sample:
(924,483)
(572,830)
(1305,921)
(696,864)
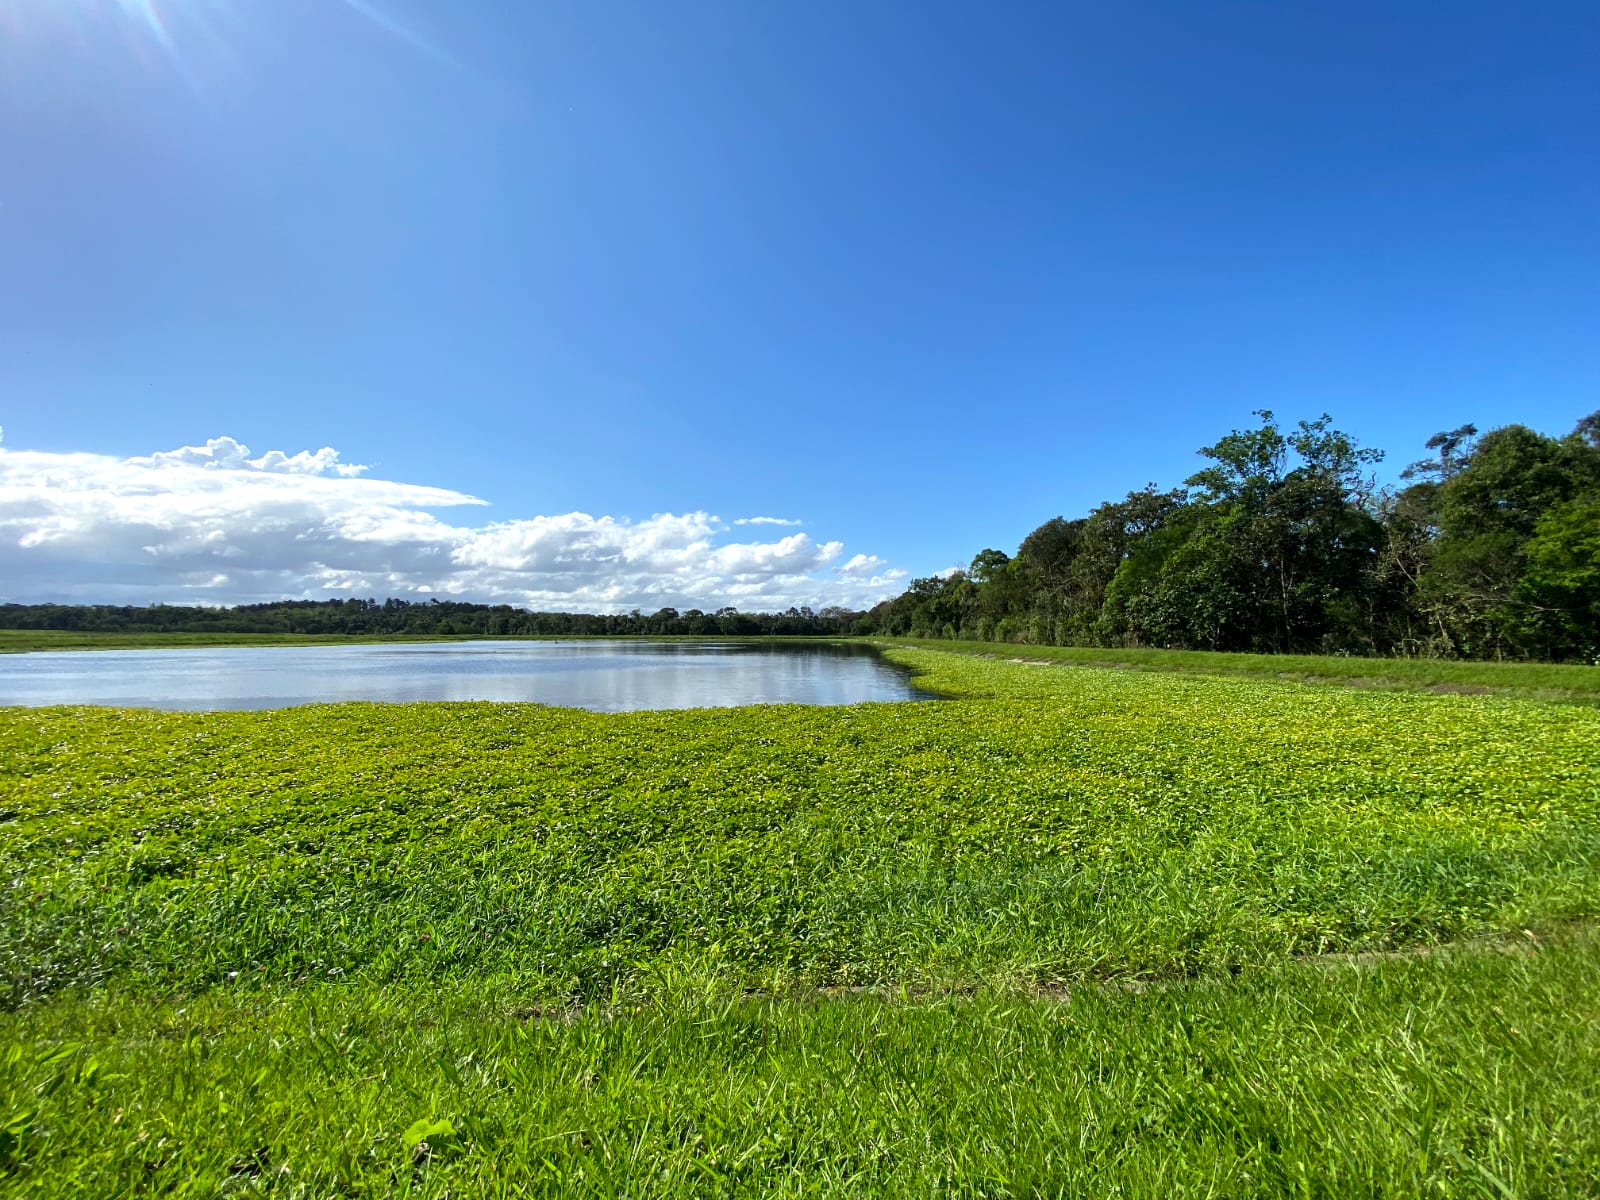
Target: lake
(604,676)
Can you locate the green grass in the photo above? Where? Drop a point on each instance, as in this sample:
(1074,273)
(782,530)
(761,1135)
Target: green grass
(609,948)
(1530,679)
(1467,1075)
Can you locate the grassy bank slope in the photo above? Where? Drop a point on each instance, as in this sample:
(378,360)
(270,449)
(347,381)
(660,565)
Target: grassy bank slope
(1532,679)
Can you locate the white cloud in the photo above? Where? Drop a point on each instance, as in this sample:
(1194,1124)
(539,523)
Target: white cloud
(861,565)
(226,454)
(796,553)
(212,524)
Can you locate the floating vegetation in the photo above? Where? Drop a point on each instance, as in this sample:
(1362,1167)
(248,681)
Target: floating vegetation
(1052,825)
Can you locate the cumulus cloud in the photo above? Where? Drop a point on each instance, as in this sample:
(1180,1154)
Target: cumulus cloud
(214,524)
(862,566)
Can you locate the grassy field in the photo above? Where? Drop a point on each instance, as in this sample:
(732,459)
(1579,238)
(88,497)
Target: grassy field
(1551,681)
(1074,932)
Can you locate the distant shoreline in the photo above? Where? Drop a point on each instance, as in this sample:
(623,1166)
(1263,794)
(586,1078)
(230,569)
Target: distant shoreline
(1526,680)
(30,641)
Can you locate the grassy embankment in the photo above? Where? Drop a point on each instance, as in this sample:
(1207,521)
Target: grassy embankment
(248,952)
(1533,680)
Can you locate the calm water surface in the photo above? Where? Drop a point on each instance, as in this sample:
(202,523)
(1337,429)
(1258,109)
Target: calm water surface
(606,676)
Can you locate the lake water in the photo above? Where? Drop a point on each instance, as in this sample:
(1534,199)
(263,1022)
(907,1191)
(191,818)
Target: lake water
(605,676)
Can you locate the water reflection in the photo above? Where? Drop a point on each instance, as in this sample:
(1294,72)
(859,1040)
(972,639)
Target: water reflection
(605,676)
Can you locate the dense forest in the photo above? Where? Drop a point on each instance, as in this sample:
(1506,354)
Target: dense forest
(1489,548)
(390,617)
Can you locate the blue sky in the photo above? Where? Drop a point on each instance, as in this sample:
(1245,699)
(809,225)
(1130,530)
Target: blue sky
(919,276)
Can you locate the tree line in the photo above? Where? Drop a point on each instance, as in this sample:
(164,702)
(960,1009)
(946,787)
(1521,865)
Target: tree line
(357,617)
(1488,548)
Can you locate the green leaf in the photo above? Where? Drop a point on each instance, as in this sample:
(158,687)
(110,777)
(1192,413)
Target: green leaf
(56,1054)
(426,1130)
(17,1121)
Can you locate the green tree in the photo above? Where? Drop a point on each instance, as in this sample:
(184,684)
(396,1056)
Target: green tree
(1278,557)
(1561,582)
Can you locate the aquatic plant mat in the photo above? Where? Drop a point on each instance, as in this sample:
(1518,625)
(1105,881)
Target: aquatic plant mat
(1075,932)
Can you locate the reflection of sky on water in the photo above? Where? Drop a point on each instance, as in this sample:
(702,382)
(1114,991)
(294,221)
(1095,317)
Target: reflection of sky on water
(606,676)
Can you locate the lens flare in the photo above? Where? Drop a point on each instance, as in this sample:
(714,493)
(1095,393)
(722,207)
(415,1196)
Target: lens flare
(193,38)
(146,13)
(396,30)
(81,25)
